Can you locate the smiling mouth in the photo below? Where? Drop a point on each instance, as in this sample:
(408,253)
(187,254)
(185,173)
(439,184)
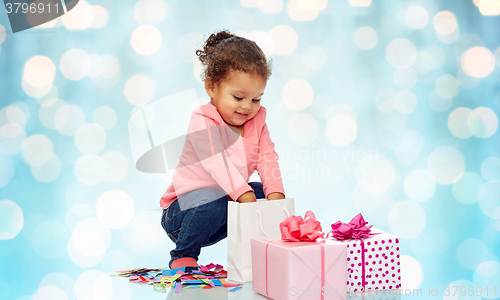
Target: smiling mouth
(242,115)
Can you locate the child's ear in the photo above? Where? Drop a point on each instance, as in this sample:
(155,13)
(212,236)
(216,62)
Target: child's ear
(210,87)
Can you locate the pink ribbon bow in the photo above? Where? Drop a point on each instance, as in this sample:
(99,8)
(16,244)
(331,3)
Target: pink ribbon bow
(296,229)
(356,229)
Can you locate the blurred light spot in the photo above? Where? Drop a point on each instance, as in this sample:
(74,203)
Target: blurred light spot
(54,23)
(376,173)
(133,236)
(466,190)
(150,12)
(457,122)
(100,16)
(482,122)
(412,273)
(424,63)
(116,166)
(416,17)
(51,292)
(303,129)
(249,3)
(439,103)
(49,171)
(497,57)
(90,138)
(110,66)
(401,53)
(48,110)
(446,164)
(419,185)
(298,12)
(423,244)
(13,114)
(489,7)
(465,285)
(146,40)
(90,169)
(409,147)
(75,64)
(93,284)
(405,102)
(407,219)
(12,137)
(11,219)
(445,23)
(447,86)
(33,91)
(49,239)
(392,23)
(490,168)
(471,252)
(187,46)
(293,66)
(114,209)
(105,117)
(297,94)
(263,40)
(365,38)
(487,275)
(90,238)
(478,62)
(78,212)
(7,169)
(79,18)
(489,198)
(271,6)
(404,79)
(360,3)
(39,71)
(283,39)
(466,41)
(340,109)
(61,280)
(315,57)
(139,90)
(341,130)
(37,150)
(68,119)
(367,202)
(438,55)
(2,34)
(392,121)
(466,81)
(385,99)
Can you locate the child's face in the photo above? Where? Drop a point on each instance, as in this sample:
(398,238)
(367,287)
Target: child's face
(237,98)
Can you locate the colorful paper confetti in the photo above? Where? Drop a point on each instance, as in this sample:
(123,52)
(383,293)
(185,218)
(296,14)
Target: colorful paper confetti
(206,277)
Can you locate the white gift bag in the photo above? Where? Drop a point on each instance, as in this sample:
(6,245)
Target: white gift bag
(248,220)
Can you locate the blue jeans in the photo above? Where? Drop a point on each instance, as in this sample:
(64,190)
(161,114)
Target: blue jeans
(198,220)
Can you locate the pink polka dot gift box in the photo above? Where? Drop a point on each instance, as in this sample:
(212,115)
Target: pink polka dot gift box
(372,256)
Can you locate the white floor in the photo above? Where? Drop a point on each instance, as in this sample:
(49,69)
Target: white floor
(139,291)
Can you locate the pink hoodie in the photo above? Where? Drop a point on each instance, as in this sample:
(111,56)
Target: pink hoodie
(216,156)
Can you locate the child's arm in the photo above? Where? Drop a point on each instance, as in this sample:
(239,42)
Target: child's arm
(275,196)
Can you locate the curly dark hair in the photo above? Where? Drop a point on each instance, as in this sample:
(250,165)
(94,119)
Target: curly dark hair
(224,52)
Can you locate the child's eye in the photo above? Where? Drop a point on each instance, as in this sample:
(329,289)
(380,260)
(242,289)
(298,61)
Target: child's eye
(256,100)
(237,98)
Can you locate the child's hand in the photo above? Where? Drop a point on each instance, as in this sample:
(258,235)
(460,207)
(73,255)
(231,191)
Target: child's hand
(275,196)
(247,197)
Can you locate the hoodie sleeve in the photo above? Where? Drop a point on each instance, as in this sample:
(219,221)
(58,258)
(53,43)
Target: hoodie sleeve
(267,164)
(205,136)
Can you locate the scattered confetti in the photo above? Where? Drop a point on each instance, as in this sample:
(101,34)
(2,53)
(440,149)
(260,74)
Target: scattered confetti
(206,277)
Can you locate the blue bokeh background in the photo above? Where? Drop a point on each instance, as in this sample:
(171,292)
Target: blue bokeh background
(405,93)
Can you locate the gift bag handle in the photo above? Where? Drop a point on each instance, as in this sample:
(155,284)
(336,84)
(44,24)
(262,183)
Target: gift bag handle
(260,220)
